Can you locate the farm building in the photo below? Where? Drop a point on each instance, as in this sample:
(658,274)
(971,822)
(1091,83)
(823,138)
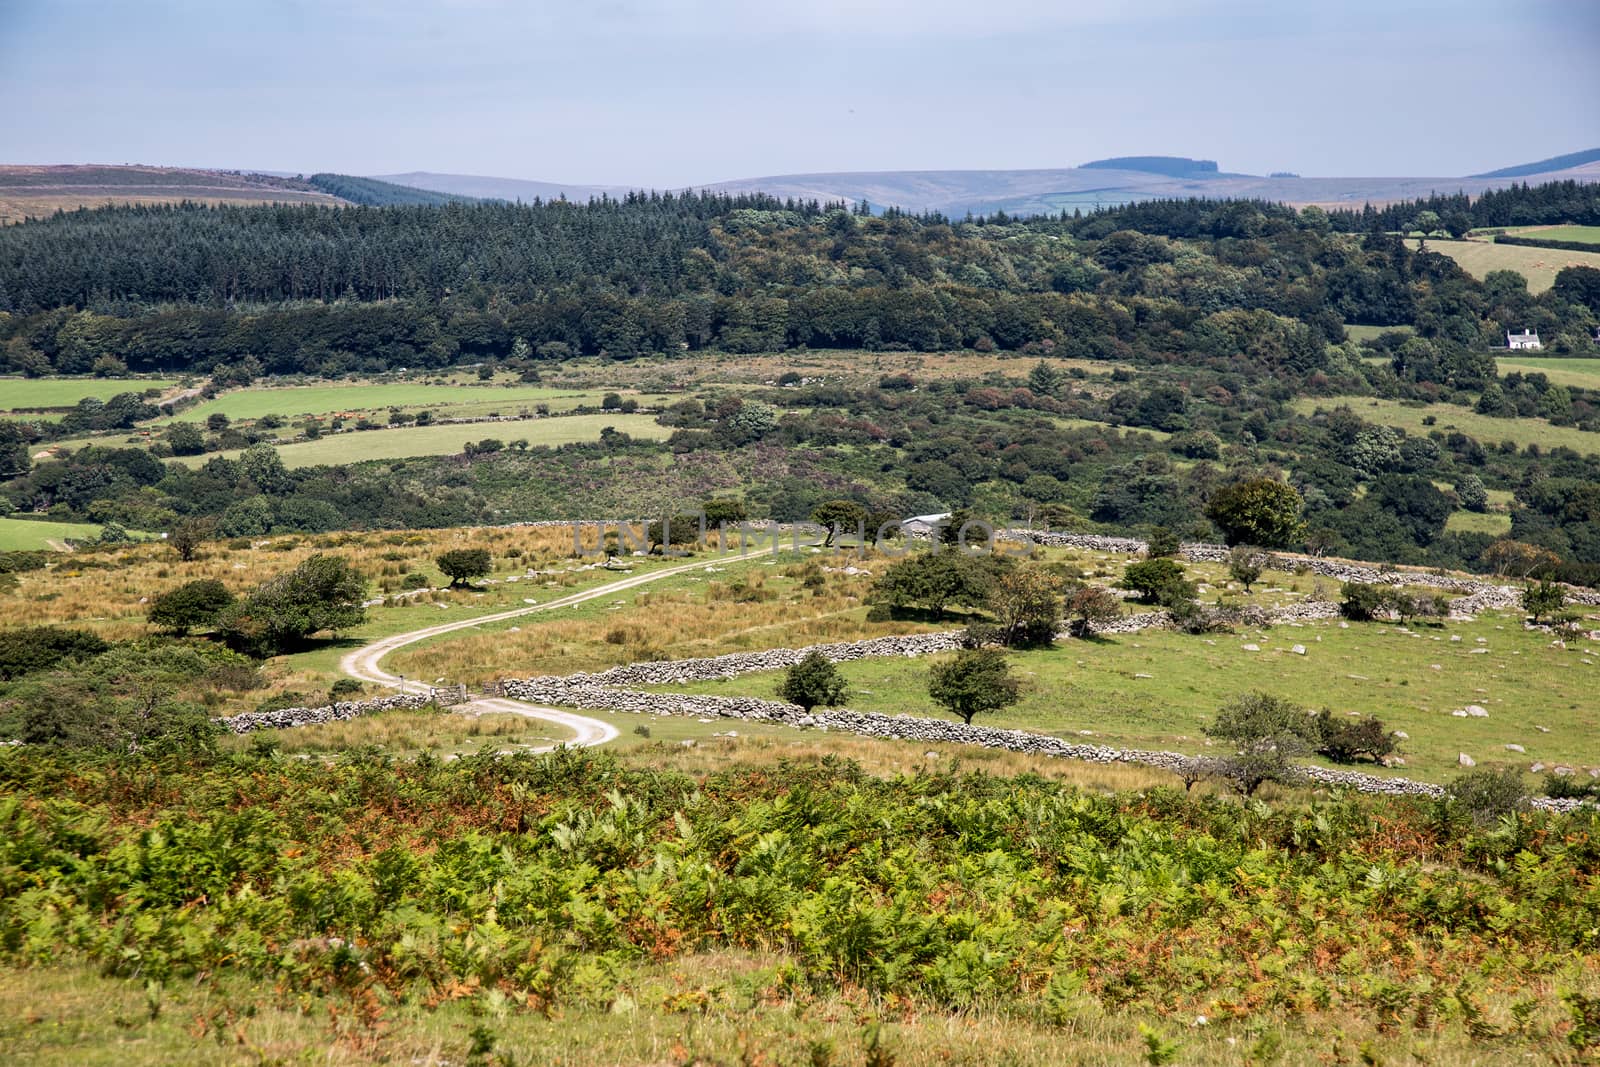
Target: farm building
(1525,339)
(922,525)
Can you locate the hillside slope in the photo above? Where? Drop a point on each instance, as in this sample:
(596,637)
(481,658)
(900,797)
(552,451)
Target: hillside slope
(482,187)
(372,192)
(34,191)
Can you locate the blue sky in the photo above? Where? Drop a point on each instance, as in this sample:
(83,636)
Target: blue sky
(673,92)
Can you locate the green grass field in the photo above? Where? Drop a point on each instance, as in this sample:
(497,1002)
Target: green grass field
(1450,417)
(1372,333)
(1589,235)
(65,392)
(298,400)
(448,440)
(1159,689)
(36,533)
(1584,373)
(1538,265)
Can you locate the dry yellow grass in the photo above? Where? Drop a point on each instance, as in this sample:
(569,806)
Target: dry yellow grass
(750,605)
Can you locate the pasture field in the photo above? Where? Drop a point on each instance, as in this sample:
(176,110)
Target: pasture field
(295,401)
(1584,373)
(65,392)
(1589,235)
(1159,689)
(1539,265)
(1484,428)
(405,442)
(1360,333)
(41,533)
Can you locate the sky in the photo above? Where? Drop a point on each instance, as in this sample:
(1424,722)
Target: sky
(670,93)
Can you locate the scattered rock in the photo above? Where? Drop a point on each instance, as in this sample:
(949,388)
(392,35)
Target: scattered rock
(1401,734)
(1465,760)
(1298,650)
(1515,748)
(1250,648)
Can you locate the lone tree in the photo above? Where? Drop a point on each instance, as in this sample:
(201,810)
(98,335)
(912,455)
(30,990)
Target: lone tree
(1257,511)
(814,682)
(1245,565)
(461,565)
(839,516)
(191,606)
(187,536)
(323,593)
(1269,732)
(1157,581)
(934,581)
(1545,598)
(1026,605)
(1091,606)
(976,680)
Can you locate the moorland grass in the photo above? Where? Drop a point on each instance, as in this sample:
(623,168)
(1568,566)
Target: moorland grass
(1484,428)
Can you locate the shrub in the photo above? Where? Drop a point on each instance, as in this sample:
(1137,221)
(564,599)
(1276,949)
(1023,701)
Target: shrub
(345,689)
(1364,601)
(1026,605)
(1545,598)
(191,606)
(1269,731)
(322,593)
(1153,579)
(812,682)
(1162,542)
(1246,563)
(1090,606)
(977,680)
(1488,793)
(36,648)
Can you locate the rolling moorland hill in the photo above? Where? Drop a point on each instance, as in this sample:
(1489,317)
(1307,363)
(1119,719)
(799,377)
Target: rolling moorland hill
(37,191)
(1101,183)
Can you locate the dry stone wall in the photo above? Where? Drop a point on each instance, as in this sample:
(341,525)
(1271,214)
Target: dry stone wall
(285,718)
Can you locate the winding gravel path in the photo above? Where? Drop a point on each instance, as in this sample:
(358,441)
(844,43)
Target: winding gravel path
(365,664)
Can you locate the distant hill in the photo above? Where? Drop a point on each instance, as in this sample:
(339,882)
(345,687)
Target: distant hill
(1546,166)
(375,193)
(480,187)
(1171,166)
(42,190)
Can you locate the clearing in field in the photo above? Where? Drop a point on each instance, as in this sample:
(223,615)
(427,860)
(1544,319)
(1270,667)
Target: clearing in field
(1583,373)
(293,401)
(1447,417)
(1538,265)
(409,441)
(24,393)
(1588,235)
(37,533)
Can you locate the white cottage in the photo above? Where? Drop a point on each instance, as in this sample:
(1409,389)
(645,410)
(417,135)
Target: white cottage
(1525,339)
